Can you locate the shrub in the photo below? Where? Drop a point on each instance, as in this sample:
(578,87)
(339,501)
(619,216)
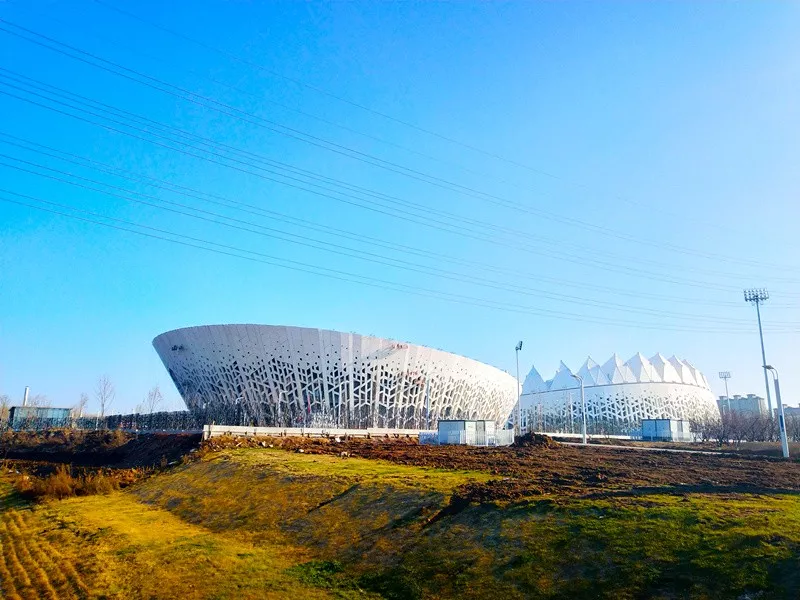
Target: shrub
(62,483)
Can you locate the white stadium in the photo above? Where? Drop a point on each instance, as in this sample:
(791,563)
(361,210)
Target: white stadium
(292,376)
(618,393)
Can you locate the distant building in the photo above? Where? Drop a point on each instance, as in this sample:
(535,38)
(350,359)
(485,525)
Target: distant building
(619,393)
(37,417)
(790,411)
(750,404)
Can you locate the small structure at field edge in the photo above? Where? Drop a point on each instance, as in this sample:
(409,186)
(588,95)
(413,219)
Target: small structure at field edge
(473,433)
(666,430)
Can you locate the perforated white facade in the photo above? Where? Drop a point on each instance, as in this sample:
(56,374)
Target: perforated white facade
(294,376)
(621,392)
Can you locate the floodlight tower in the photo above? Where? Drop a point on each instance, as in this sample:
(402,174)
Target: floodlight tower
(758,296)
(725,375)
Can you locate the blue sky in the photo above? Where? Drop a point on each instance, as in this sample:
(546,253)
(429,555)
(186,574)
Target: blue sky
(587,178)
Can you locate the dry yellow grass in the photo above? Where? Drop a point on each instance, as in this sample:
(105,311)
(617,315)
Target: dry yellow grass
(112,546)
(258,523)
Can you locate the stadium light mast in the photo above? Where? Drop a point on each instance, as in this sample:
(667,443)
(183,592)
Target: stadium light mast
(517,348)
(781,419)
(758,296)
(725,375)
(583,404)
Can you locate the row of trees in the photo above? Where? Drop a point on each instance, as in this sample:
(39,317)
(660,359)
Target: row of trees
(737,427)
(104,394)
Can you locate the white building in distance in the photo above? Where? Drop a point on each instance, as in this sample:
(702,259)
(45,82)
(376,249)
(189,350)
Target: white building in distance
(293,376)
(620,392)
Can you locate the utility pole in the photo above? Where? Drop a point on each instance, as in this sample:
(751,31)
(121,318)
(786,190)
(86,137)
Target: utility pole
(725,375)
(781,418)
(758,297)
(517,348)
(579,379)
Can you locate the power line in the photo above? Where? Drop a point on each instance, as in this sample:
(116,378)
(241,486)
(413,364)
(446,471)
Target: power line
(405,215)
(486,175)
(364,255)
(336,274)
(162,184)
(128,116)
(200,100)
(328,93)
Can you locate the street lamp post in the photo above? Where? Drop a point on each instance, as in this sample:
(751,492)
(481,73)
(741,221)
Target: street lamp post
(781,419)
(757,297)
(725,375)
(518,427)
(583,404)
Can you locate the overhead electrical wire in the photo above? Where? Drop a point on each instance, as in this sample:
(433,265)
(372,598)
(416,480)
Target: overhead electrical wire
(348,198)
(249,208)
(237,88)
(337,274)
(176,91)
(359,254)
(128,116)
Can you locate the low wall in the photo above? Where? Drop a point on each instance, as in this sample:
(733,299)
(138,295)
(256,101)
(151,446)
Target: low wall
(210,431)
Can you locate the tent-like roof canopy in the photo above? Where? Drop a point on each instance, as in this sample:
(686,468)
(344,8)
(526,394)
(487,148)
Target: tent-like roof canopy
(637,369)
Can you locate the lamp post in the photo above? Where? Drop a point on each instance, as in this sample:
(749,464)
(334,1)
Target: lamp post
(757,297)
(518,427)
(725,375)
(583,404)
(781,420)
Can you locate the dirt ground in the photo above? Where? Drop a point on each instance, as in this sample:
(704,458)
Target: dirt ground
(538,466)
(109,448)
(545,467)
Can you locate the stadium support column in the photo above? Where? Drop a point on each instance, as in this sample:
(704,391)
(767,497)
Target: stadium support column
(427,404)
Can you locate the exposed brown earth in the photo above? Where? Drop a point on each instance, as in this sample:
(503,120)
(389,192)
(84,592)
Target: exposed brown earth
(97,448)
(546,468)
(535,466)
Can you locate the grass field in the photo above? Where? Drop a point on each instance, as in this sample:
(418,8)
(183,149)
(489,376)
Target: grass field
(266,523)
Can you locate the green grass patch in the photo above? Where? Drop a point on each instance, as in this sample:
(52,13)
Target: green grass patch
(261,523)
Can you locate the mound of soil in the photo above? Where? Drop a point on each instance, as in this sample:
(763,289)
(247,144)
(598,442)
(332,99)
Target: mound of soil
(535,440)
(110,448)
(546,467)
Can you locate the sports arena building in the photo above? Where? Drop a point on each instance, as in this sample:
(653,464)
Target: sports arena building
(293,376)
(618,394)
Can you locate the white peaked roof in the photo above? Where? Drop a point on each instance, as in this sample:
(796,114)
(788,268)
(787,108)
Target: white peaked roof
(642,369)
(637,370)
(592,374)
(683,370)
(617,371)
(533,383)
(665,369)
(698,376)
(563,379)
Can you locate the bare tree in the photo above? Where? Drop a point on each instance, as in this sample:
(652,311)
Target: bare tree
(5,403)
(154,399)
(80,407)
(39,400)
(105,394)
